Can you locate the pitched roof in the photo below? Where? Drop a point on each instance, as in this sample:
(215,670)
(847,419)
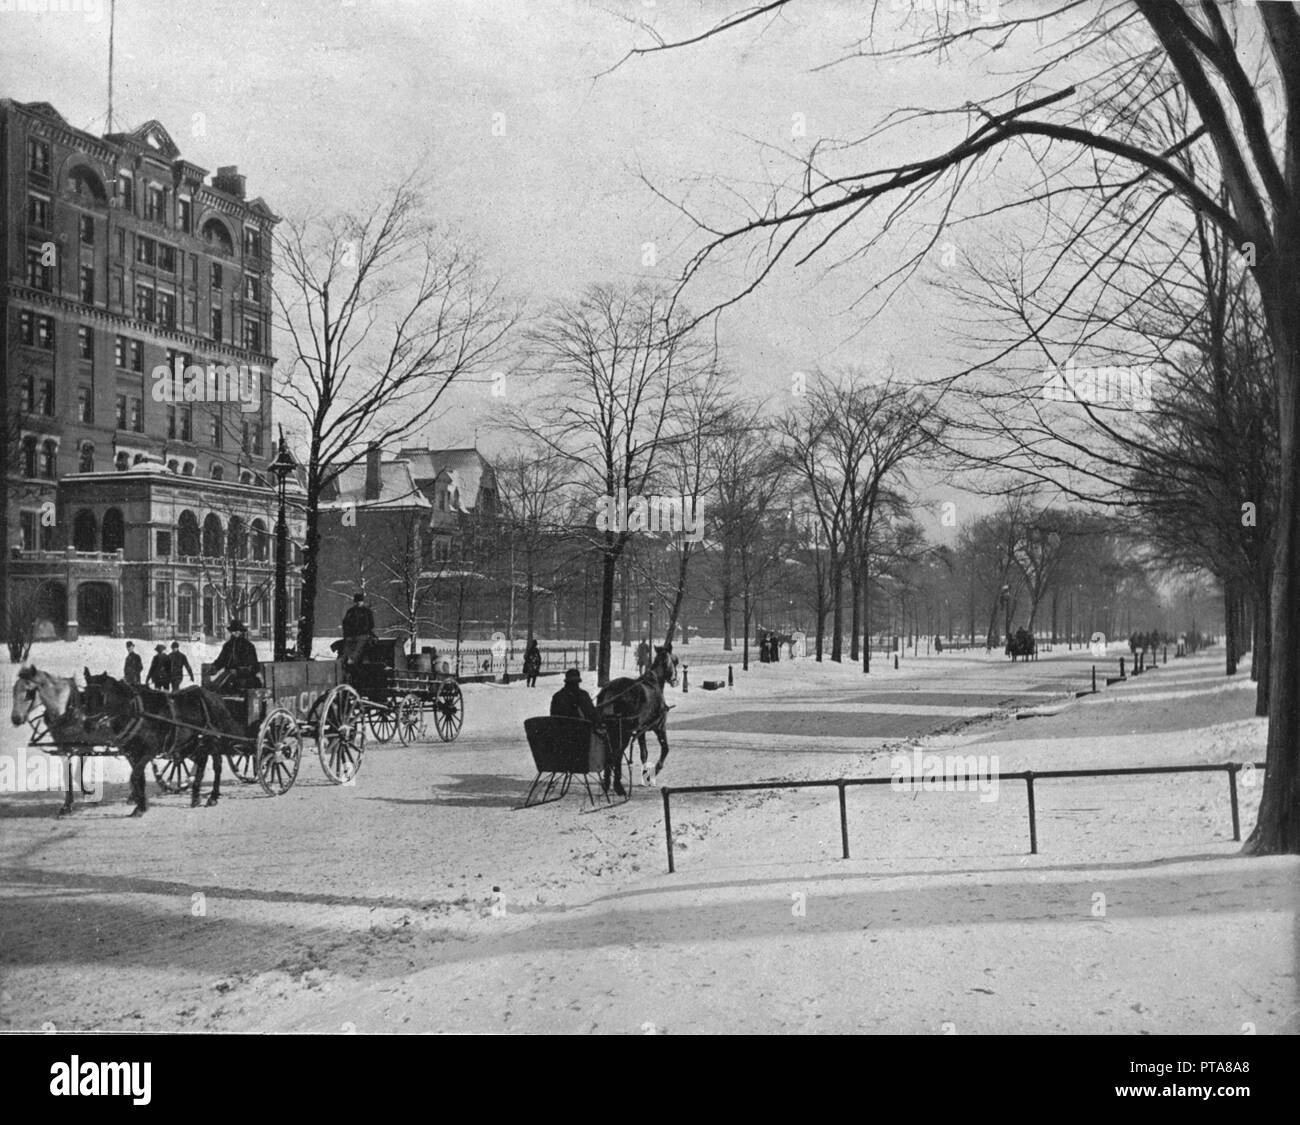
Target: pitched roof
(467,469)
(397,488)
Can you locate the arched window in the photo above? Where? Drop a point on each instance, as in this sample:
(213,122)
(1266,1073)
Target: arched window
(236,539)
(29,456)
(245,477)
(50,460)
(137,459)
(187,534)
(217,471)
(114,533)
(188,469)
(85,531)
(87,186)
(214,537)
(86,464)
(122,461)
(173,466)
(260,540)
(214,232)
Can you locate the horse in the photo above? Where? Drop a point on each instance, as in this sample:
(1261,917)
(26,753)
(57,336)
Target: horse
(633,706)
(62,706)
(144,723)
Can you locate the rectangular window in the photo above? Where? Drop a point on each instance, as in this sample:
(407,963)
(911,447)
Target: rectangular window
(191,313)
(86,405)
(29,522)
(27,399)
(137,356)
(252,288)
(257,440)
(47,397)
(143,302)
(47,536)
(86,343)
(194,269)
(252,335)
(86,229)
(155,204)
(216,325)
(171,422)
(137,416)
(187,424)
(45,333)
(214,275)
(164,544)
(40,275)
(126,191)
(121,243)
(38,211)
(252,242)
(119,351)
(121,412)
(215,429)
(162,599)
(245,437)
(88,285)
(27,326)
(146,250)
(38,157)
(183,216)
(167,310)
(166,258)
(117,290)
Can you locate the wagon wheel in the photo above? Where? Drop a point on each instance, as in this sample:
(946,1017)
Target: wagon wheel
(173,775)
(449,710)
(341,734)
(244,763)
(383,721)
(279,752)
(410,719)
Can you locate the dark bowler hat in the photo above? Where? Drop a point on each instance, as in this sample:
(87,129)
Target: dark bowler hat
(358,597)
(160,648)
(130,644)
(176,644)
(235,626)
(573,676)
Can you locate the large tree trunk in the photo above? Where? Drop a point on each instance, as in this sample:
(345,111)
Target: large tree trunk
(678,595)
(311,556)
(609,562)
(855,586)
(1230,629)
(837,610)
(866,617)
(744,663)
(1259,665)
(1277,830)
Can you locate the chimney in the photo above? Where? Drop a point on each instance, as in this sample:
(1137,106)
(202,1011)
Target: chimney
(373,485)
(229,180)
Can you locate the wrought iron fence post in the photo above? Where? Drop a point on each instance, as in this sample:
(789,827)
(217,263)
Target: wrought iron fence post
(1232,791)
(668,830)
(844,822)
(1033,819)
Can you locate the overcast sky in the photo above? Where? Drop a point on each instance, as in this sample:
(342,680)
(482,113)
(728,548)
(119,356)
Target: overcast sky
(322,102)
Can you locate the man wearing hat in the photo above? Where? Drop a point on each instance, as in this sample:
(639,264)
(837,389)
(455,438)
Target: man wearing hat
(358,629)
(236,666)
(134,666)
(180,666)
(571,702)
(160,669)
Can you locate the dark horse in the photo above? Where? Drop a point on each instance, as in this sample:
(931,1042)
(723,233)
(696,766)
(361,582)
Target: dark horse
(634,706)
(144,723)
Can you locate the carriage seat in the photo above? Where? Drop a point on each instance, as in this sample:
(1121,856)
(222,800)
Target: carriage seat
(562,748)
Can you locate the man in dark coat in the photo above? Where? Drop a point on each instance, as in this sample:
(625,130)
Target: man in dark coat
(160,669)
(236,666)
(358,629)
(572,702)
(134,666)
(180,666)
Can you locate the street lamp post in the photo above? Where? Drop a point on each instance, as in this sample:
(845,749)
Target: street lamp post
(281,467)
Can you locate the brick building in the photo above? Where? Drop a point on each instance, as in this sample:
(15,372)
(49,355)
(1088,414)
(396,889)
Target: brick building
(134,504)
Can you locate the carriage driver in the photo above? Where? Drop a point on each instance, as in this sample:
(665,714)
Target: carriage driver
(571,702)
(358,630)
(237,666)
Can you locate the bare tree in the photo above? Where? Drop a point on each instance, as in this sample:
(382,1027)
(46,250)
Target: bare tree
(1219,57)
(383,314)
(616,362)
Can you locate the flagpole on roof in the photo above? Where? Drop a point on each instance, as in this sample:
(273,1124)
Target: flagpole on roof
(112,18)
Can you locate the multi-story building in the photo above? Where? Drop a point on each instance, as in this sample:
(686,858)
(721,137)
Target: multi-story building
(135,299)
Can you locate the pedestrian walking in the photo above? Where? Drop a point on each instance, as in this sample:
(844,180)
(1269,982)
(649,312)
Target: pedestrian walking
(134,666)
(160,669)
(179,665)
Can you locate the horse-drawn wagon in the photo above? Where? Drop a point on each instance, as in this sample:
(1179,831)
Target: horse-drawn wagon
(396,698)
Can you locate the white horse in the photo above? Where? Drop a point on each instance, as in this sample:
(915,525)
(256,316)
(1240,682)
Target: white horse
(57,700)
